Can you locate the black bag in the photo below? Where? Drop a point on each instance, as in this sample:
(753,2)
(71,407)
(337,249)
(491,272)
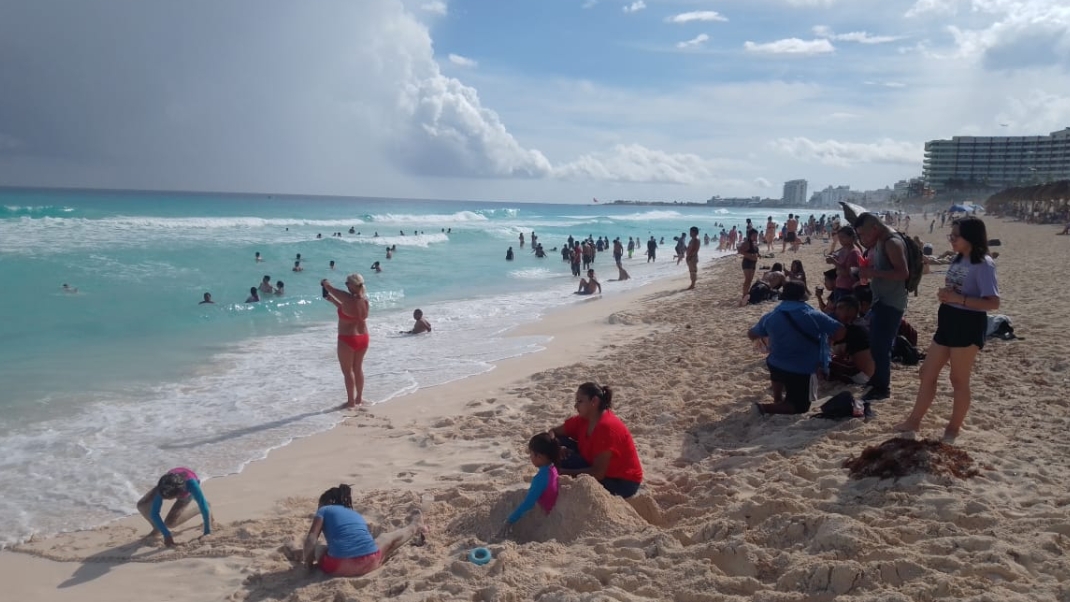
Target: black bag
(915,263)
(841,405)
(905,353)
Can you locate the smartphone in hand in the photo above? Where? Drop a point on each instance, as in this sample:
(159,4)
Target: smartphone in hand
(326,293)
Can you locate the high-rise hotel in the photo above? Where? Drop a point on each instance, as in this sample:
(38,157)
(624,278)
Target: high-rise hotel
(997,161)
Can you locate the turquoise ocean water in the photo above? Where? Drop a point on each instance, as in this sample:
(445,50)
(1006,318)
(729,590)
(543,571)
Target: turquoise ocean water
(104,390)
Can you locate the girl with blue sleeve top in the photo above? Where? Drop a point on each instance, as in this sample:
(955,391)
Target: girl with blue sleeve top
(183,486)
(544,452)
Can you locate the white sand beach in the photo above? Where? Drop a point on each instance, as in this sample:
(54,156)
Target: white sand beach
(734,506)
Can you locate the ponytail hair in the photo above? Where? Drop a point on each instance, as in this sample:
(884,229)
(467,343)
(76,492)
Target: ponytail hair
(604,394)
(545,444)
(341,495)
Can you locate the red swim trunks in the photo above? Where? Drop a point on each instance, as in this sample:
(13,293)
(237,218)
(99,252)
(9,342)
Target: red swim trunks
(351,567)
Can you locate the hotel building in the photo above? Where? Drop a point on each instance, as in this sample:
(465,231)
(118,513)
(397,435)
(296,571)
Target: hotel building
(997,161)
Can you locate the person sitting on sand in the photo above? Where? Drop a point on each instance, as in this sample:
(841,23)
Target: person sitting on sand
(181,485)
(421,325)
(798,347)
(544,453)
(597,443)
(829,284)
(589,285)
(351,551)
(852,362)
(775,277)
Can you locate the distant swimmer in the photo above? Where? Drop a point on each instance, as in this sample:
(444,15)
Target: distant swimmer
(402,232)
(258,259)
(298,258)
(521,240)
(353,338)
(509,254)
(265,285)
(539,252)
(207,299)
(69,289)
(332,264)
(319,235)
(376,267)
(183,486)
(421,325)
(589,285)
(297,267)
(254,296)
(352,229)
(278,288)
(376,235)
(389,253)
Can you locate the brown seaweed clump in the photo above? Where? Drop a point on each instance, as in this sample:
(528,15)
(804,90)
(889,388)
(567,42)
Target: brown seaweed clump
(901,457)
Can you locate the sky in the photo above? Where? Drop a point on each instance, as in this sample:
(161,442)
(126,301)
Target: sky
(525,100)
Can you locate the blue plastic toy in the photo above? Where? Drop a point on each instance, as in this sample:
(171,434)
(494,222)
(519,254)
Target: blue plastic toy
(479,556)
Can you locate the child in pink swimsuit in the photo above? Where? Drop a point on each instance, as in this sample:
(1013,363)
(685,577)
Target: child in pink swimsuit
(544,452)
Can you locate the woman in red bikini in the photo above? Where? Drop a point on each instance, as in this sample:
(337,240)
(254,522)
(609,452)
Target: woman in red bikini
(352,304)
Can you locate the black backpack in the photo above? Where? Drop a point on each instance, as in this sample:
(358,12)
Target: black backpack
(839,406)
(915,263)
(905,353)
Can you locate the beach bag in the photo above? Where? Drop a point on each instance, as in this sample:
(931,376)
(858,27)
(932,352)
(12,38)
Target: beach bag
(999,326)
(840,406)
(915,263)
(904,353)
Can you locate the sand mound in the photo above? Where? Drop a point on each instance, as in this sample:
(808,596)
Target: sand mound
(900,457)
(584,509)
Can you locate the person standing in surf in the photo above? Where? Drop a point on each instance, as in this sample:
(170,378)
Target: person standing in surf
(353,338)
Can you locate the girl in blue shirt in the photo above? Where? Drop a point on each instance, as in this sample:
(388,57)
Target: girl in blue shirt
(544,452)
(351,551)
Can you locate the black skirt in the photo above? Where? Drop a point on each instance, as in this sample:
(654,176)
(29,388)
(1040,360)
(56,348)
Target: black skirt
(957,327)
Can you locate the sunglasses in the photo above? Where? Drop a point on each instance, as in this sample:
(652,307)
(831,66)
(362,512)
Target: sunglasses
(953,237)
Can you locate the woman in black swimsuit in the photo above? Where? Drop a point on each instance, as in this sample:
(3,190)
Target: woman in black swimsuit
(749,250)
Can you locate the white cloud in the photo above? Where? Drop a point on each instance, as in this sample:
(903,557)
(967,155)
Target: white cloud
(762,183)
(694,42)
(637,163)
(634,7)
(1023,33)
(885,84)
(698,15)
(817,3)
(590,3)
(791,46)
(933,7)
(844,154)
(462,61)
(437,7)
(1035,112)
(861,37)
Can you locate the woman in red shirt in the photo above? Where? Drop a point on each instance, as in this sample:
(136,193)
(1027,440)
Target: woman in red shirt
(599,444)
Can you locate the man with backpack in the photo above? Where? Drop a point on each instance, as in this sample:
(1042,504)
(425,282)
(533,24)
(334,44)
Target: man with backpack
(888,272)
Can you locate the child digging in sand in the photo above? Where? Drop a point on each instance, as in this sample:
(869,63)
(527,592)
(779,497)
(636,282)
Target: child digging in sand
(544,453)
(181,485)
(351,551)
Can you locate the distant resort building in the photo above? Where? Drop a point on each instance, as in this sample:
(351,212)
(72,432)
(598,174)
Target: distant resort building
(794,193)
(996,161)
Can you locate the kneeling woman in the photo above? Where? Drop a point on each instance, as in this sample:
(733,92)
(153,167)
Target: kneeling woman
(600,444)
(351,551)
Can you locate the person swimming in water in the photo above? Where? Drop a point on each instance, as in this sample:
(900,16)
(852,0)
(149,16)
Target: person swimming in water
(376,267)
(278,288)
(254,295)
(207,299)
(353,336)
(265,285)
(297,267)
(421,325)
(183,486)
(589,285)
(69,289)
